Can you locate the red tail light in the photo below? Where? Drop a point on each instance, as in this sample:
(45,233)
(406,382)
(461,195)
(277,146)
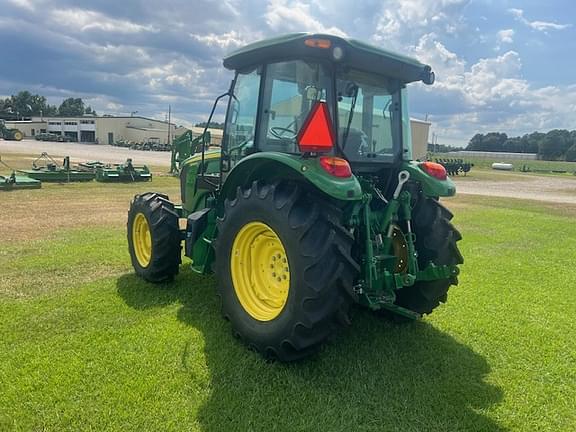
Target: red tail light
(316,135)
(434,169)
(335,166)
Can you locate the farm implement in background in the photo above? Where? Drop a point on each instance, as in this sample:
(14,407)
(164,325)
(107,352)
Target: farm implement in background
(455,166)
(151,144)
(46,169)
(14,182)
(126,172)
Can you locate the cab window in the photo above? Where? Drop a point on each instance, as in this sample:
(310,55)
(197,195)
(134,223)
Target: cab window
(290,90)
(241,118)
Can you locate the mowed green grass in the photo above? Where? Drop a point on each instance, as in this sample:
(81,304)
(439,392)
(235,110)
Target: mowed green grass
(86,345)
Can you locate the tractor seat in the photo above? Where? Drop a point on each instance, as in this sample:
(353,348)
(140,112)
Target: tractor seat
(356,143)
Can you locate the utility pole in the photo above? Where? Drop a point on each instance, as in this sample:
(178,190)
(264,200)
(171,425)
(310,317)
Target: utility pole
(169,119)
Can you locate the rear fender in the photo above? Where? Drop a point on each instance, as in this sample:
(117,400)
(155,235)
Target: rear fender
(271,166)
(431,186)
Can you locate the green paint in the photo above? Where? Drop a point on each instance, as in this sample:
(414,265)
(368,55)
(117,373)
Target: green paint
(126,172)
(273,165)
(431,186)
(379,279)
(59,175)
(203,252)
(13,182)
(359,54)
(185,146)
(195,198)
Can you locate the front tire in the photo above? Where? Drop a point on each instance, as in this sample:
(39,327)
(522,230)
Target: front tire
(154,237)
(284,269)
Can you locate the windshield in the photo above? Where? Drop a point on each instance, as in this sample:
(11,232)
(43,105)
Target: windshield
(368,116)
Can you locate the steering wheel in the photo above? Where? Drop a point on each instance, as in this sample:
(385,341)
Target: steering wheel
(241,145)
(281,132)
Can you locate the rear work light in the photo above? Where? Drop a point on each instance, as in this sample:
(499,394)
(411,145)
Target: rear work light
(318,43)
(336,166)
(434,169)
(316,135)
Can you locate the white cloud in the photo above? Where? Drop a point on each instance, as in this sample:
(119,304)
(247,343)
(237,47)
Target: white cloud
(494,80)
(85,20)
(24,4)
(506,36)
(447,66)
(226,41)
(295,16)
(542,26)
(493,95)
(112,106)
(402,20)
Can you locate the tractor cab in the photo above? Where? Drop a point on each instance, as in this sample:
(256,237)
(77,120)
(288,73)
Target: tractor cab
(282,83)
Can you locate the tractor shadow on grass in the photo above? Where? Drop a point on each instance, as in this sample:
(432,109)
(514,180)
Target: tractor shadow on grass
(375,376)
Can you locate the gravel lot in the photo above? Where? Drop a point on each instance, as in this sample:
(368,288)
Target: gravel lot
(541,188)
(85,152)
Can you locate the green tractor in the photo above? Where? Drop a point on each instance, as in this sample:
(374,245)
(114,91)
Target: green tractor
(312,203)
(10,134)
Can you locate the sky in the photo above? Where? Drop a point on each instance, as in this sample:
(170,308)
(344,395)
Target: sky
(501,65)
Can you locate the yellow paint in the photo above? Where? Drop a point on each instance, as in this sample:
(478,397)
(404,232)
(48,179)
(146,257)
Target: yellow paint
(260,271)
(142,240)
(209,155)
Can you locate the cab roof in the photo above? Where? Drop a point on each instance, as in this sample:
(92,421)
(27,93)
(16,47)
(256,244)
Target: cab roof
(355,54)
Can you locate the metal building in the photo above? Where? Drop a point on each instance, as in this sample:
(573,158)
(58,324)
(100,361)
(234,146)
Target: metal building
(103,130)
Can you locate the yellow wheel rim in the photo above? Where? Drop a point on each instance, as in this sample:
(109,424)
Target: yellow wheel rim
(18,136)
(141,239)
(260,271)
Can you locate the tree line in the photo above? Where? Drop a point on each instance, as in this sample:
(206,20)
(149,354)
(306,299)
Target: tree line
(212,125)
(557,144)
(25,104)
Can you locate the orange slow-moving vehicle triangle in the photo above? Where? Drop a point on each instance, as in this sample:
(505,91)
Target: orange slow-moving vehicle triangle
(317,134)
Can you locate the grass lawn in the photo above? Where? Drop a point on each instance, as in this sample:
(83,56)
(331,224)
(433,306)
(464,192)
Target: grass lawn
(85,345)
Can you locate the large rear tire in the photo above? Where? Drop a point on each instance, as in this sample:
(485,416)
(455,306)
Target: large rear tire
(154,237)
(436,240)
(284,269)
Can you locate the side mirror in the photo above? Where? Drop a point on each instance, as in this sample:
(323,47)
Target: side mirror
(428,76)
